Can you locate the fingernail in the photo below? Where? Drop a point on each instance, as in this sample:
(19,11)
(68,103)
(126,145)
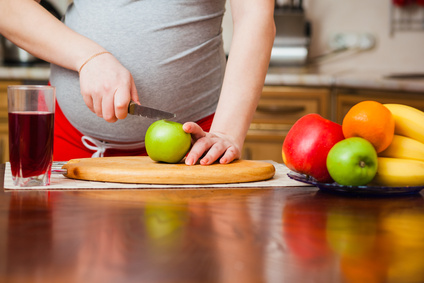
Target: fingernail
(189,161)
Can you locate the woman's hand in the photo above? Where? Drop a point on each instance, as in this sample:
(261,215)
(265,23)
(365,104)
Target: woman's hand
(107,87)
(212,146)
(247,65)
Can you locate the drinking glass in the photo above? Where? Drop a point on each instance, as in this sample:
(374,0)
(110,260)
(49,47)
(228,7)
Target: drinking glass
(31,124)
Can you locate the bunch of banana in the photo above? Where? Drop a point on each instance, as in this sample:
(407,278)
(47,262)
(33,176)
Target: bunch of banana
(409,121)
(402,163)
(404,147)
(399,172)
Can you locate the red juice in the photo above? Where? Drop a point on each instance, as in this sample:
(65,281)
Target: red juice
(30,142)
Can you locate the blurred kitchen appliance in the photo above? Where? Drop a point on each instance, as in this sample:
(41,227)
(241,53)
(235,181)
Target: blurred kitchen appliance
(14,55)
(293,31)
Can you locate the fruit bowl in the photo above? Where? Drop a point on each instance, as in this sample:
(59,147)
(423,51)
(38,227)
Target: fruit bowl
(355,190)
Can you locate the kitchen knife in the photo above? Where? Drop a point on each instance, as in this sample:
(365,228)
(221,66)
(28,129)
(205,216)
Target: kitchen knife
(148,112)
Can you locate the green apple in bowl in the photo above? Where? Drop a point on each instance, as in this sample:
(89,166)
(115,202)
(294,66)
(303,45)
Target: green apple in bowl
(166,141)
(352,162)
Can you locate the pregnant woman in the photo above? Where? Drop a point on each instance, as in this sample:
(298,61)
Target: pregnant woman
(166,54)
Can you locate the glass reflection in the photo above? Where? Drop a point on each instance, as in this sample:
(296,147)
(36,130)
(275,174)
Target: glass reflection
(29,235)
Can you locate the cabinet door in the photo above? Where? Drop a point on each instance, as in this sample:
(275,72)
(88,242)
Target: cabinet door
(346,99)
(4,137)
(278,109)
(265,143)
(285,105)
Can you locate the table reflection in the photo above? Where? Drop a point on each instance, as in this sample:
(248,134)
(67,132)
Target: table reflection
(371,240)
(254,235)
(29,238)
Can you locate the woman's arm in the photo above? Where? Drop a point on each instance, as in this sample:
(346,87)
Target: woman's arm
(33,28)
(248,61)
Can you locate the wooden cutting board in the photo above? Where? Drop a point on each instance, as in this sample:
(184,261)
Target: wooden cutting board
(143,170)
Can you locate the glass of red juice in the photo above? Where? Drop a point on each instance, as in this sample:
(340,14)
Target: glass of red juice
(31,123)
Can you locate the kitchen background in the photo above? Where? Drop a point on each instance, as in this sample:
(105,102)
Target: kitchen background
(397,51)
(394,51)
(323,81)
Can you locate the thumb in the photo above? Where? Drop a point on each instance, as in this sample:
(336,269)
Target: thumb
(194,129)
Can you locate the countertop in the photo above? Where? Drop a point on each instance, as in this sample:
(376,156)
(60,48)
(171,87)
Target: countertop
(37,72)
(281,234)
(366,79)
(362,79)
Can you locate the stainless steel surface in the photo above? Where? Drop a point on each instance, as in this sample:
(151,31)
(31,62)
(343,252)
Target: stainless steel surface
(59,171)
(12,54)
(291,44)
(148,112)
(289,56)
(418,76)
(57,167)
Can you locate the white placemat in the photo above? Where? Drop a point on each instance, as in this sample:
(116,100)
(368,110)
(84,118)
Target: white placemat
(60,182)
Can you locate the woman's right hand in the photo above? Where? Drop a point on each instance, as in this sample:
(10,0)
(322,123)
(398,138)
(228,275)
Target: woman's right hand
(107,87)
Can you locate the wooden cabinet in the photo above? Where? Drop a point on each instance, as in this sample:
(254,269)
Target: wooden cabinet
(278,109)
(4,137)
(346,98)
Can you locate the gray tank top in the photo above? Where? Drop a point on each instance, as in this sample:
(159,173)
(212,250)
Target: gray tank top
(173,48)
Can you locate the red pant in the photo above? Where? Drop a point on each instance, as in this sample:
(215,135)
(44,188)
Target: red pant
(68,145)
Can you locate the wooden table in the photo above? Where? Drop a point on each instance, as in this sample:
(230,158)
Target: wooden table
(203,235)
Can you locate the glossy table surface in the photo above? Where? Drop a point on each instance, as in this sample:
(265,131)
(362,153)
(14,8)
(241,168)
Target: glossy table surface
(294,234)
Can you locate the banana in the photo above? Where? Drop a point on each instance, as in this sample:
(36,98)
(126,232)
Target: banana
(409,121)
(399,172)
(404,147)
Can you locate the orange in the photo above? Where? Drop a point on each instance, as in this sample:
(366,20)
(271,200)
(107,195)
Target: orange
(372,121)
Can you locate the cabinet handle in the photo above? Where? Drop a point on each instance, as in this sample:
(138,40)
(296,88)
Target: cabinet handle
(280,109)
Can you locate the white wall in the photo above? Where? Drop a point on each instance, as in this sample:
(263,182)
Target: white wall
(227,26)
(401,52)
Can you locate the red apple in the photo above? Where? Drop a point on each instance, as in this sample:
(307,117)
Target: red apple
(304,231)
(307,144)
(402,3)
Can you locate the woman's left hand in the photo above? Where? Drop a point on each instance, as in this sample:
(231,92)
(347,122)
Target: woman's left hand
(209,147)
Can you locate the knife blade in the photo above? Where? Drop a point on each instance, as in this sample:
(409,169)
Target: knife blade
(148,112)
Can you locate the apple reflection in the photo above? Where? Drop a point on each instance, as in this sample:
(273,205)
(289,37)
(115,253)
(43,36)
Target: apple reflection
(405,234)
(371,239)
(304,222)
(165,226)
(351,233)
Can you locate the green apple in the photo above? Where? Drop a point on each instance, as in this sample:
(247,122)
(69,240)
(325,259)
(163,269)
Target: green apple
(352,162)
(165,225)
(166,141)
(351,233)
(162,219)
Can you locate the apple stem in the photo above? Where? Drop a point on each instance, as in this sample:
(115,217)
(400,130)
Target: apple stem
(362,164)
